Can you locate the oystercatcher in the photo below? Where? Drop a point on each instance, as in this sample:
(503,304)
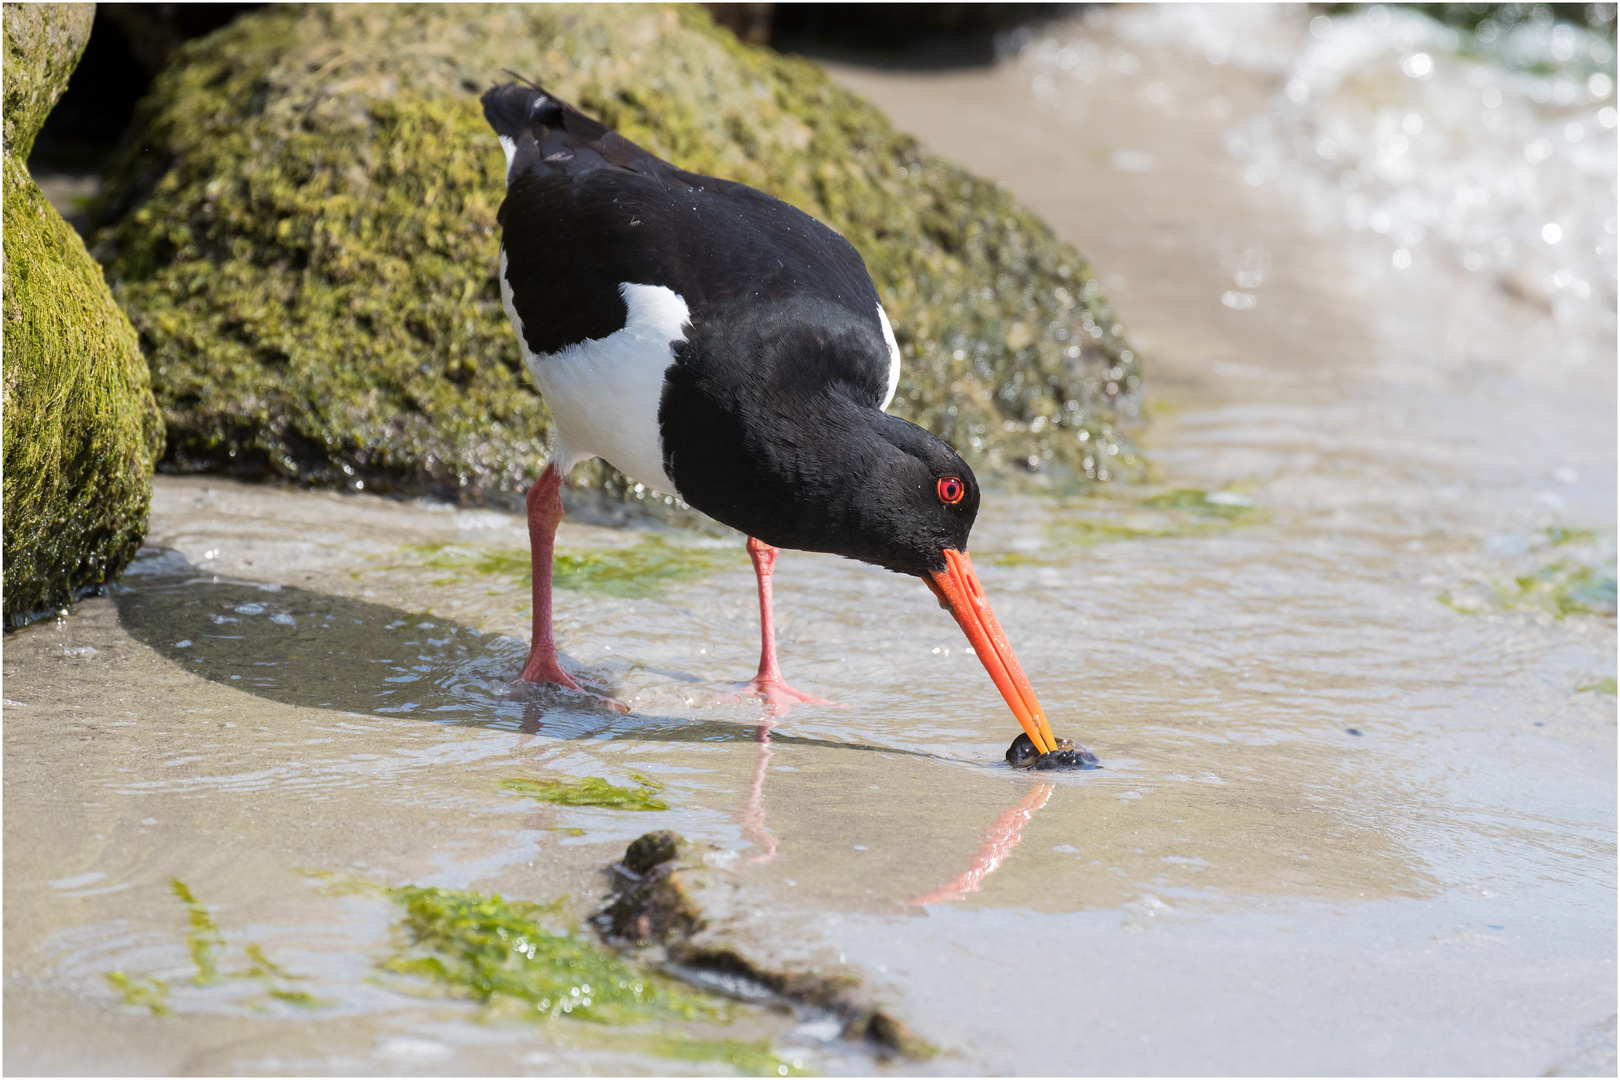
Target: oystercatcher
(707,339)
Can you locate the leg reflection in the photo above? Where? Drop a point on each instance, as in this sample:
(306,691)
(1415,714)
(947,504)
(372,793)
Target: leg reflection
(753,815)
(999,840)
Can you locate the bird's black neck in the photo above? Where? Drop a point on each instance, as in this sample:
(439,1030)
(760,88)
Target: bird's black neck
(773,425)
(782,472)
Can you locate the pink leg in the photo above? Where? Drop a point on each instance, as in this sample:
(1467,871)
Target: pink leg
(545,514)
(768,684)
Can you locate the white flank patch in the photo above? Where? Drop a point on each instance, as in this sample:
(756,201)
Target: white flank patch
(510,147)
(894,357)
(603,393)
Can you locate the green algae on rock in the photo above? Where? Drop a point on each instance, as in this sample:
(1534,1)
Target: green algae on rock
(81,428)
(305,238)
(504,955)
(489,948)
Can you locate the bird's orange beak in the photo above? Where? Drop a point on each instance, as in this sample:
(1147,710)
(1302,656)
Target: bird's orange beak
(958,588)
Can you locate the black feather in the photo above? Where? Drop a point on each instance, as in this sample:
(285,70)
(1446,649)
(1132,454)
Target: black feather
(771,416)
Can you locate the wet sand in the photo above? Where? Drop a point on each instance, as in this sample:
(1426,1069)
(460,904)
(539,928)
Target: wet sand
(1343,827)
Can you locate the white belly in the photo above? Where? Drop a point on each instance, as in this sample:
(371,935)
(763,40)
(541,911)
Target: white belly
(603,393)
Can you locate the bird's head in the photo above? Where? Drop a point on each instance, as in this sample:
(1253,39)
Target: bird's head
(910,502)
(769,426)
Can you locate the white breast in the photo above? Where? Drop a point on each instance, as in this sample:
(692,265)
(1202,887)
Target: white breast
(603,393)
(509,147)
(894,357)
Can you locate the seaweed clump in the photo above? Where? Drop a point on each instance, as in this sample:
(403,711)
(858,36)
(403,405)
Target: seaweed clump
(490,948)
(503,953)
(81,428)
(588,791)
(304,236)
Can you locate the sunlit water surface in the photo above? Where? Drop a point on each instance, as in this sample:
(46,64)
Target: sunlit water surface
(1348,663)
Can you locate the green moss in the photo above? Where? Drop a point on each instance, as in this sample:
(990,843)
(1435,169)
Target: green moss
(588,791)
(305,239)
(487,948)
(630,572)
(42,45)
(1602,686)
(81,429)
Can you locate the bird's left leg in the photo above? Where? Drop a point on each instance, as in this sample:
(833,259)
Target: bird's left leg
(769,684)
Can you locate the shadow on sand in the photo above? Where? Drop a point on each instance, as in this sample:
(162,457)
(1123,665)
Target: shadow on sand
(317,650)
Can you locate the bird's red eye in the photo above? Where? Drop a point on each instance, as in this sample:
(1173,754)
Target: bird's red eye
(951,490)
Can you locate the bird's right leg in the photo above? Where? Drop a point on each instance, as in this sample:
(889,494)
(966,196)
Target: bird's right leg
(545,514)
(779,697)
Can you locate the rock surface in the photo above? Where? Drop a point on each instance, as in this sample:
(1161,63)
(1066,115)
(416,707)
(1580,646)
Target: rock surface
(677,907)
(81,428)
(305,238)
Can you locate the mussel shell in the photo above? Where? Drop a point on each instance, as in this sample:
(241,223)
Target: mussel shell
(1022,755)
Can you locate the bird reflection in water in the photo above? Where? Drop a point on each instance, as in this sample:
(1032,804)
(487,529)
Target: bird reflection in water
(999,840)
(753,814)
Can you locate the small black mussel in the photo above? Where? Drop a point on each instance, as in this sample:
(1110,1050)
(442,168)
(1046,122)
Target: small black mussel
(1022,755)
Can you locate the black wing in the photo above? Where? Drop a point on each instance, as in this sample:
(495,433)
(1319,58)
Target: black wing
(586,209)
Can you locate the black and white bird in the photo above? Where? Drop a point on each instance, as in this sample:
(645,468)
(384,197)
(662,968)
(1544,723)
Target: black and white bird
(709,340)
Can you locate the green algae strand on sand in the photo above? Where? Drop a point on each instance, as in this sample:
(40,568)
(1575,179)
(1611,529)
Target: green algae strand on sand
(205,942)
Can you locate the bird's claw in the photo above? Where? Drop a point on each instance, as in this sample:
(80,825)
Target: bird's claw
(541,673)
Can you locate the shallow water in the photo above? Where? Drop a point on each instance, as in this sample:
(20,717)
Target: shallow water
(1344,665)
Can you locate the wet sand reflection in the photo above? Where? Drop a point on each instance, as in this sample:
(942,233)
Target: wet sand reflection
(753,814)
(999,840)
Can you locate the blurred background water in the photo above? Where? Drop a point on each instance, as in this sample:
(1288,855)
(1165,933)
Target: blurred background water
(1490,149)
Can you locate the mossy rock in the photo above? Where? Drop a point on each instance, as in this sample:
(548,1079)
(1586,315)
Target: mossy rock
(305,238)
(81,428)
(43,45)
